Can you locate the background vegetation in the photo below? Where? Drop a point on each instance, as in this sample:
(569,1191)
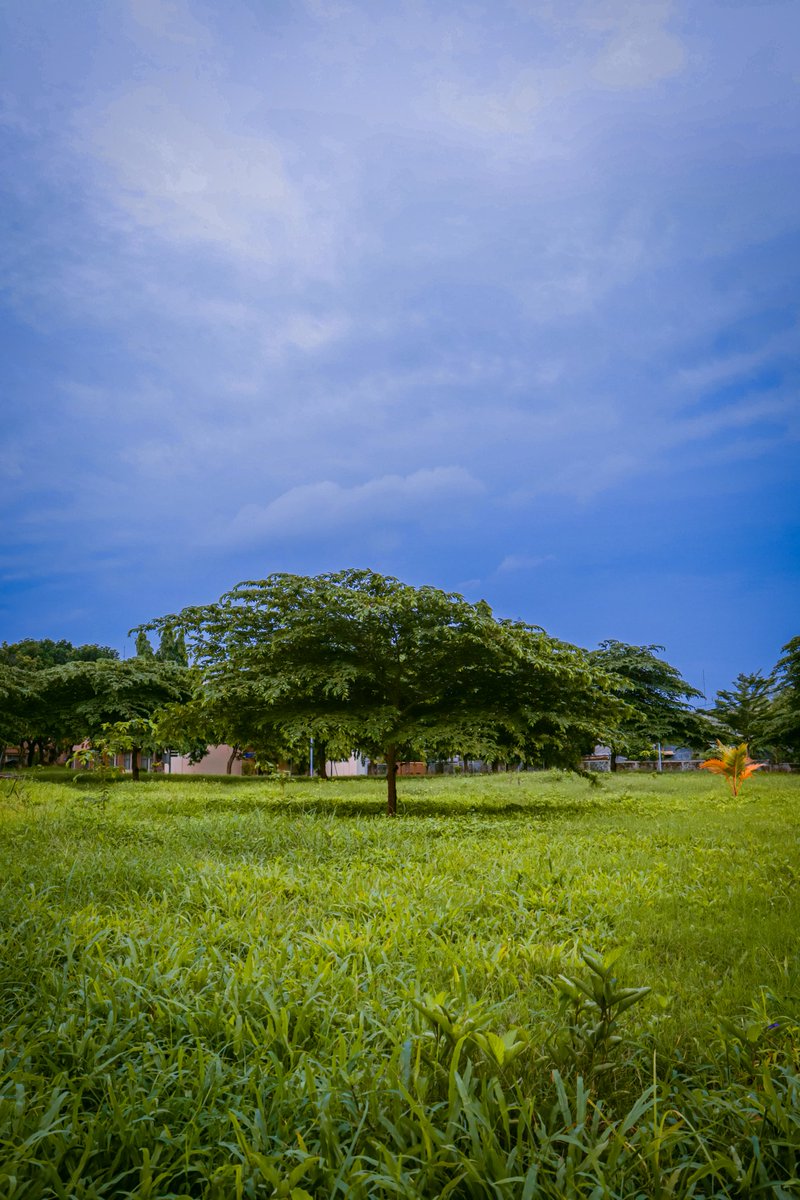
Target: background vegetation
(361,662)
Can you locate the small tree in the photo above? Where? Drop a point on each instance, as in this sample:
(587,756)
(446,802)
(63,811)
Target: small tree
(733,763)
(136,736)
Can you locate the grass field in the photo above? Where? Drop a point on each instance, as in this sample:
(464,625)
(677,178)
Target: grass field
(218,989)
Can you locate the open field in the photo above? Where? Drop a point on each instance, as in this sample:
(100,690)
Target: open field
(230,989)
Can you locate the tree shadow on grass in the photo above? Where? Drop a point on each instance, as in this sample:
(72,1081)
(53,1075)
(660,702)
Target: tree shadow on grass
(375,807)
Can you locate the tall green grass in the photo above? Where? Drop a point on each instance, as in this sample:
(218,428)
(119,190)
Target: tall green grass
(259,991)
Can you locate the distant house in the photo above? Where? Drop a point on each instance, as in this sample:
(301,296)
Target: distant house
(219,760)
(216,760)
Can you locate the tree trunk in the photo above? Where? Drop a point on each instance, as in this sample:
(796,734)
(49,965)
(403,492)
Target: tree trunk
(391,781)
(135,752)
(612,762)
(321,763)
(231,760)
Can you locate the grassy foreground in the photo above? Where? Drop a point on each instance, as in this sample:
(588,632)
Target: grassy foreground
(233,990)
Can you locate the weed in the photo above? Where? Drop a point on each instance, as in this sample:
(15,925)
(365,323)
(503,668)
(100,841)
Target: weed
(591,1008)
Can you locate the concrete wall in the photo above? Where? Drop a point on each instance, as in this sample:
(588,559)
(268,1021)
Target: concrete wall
(215,762)
(348,767)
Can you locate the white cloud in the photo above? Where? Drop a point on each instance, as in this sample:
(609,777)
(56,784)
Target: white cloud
(507,110)
(721,370)
(315,508)
(636,45)
(612,44)
(524,562)
(639,56)
(180,162)
(171,20)
(173,172)
(306,333)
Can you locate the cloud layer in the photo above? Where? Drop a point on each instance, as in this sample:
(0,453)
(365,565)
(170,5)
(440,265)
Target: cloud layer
(448,286)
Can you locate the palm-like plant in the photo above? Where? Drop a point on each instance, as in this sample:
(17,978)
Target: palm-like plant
(734,763)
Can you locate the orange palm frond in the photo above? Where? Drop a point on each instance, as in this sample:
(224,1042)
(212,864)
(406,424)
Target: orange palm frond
(734,763)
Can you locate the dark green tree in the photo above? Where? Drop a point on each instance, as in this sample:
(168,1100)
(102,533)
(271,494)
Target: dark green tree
(82,698)
(657,698)
(362,661)
(171,647)
(143,647)
(17,693)
(744,711)
(38,654)
(24,671)
(783,727)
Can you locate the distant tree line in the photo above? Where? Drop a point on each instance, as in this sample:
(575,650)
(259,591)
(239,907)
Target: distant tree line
(362,662)
(54,696)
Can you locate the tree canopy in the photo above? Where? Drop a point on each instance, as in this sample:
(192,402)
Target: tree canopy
(745,711)
(30,654)
(49,708)
(359,660)
(784,718)
(26,717)
(657,697)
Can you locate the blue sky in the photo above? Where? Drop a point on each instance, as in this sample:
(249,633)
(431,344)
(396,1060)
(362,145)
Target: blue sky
(499,296)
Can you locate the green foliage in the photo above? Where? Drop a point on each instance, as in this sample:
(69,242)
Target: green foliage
(171,648)
(744,710)
(360,661)
(89,696)
(26,669)
(17,693)
(94,765)
(215,992)
(61,706)
(656,696)
(38,655)
(592,1008)
(784,719)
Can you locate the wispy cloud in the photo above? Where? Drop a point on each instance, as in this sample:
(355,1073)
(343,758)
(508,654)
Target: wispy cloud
(641,49)
(721,370)
(316,508)
(267,269)
(524,562)
(174,166)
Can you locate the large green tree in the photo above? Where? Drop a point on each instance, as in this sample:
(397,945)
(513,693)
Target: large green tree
(358,660)
(657,698)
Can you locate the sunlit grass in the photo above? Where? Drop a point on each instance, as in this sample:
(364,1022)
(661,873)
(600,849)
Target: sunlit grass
(216,990)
